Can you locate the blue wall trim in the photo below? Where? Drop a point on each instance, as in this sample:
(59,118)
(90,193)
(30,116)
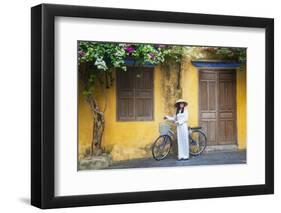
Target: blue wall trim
(220,64)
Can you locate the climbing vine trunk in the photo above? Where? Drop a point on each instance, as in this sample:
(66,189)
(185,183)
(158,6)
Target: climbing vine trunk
(98,119)
(98,126)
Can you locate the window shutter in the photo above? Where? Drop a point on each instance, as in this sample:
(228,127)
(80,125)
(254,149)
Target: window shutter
(144,94)
(135,94)
(125,95)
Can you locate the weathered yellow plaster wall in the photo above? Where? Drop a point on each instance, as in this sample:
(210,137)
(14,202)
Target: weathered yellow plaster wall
(129,138)
(241,93)
(85,124)
(190,90)
(124,139)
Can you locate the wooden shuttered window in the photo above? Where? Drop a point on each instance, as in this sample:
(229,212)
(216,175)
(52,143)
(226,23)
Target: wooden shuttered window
(135,94)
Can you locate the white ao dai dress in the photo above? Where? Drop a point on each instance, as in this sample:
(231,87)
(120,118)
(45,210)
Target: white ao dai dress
(180,120)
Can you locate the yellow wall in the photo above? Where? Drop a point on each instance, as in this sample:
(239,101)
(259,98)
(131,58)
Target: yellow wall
(241,92)
(126,140)
(85,124)
(190,86)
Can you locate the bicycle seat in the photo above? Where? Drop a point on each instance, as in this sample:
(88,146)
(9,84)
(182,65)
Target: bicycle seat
(196,128)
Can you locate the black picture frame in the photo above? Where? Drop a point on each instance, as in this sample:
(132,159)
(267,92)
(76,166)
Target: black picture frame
(43,117)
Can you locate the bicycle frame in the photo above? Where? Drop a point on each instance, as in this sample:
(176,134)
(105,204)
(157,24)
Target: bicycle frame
(172,134)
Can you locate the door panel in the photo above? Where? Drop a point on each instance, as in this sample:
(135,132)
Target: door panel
(227,108)
(217,105)
(212,131)
(208,102)
(212,95)
(204,95)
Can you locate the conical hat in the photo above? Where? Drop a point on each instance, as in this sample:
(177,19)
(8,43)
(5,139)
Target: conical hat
(181,101)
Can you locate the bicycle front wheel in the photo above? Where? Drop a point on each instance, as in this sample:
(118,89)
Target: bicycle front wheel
(161,147)
(197,142)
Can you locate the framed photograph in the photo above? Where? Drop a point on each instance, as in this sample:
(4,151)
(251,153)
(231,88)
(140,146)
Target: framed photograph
(136,106)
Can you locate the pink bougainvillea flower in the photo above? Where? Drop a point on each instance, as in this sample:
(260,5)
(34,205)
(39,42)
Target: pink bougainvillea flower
(129,49)
(81,53)
(151,55)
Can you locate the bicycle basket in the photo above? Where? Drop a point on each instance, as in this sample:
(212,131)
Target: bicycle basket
(164,128)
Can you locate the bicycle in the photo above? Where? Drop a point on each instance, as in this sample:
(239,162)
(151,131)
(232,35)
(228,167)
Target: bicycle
(163,144)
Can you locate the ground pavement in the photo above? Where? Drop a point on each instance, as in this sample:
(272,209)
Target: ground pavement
(210,158)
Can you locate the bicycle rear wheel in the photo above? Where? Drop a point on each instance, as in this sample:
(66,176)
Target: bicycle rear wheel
(161,147)
(197,142)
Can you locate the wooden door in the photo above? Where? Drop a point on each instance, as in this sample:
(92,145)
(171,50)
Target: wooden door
(217,106)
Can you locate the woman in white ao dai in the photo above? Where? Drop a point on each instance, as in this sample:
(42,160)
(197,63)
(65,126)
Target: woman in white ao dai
(180,119)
